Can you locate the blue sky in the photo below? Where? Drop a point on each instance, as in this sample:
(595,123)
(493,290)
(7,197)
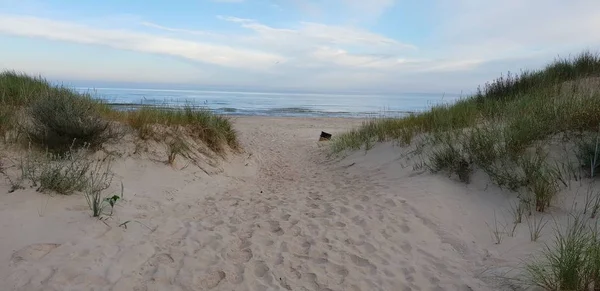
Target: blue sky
(315,45)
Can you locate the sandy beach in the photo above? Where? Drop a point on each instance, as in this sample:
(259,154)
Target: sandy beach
(282,215)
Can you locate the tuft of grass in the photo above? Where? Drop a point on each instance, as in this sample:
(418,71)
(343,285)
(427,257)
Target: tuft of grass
(517,210)
(451,159)
(572,263)
(592,202)
(497,231)
(540,180)
(536,225)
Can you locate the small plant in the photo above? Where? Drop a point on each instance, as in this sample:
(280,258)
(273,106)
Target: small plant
(100,179)
(535,226)
(497,232)
(517,210)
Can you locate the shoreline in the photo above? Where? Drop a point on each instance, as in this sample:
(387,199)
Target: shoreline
(267,112)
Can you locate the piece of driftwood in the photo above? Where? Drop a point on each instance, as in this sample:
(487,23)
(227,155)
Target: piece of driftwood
(324,136)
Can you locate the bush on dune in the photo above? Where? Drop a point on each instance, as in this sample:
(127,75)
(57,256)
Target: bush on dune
(62,120)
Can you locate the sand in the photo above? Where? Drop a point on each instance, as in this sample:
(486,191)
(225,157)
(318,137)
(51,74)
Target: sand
(280,216)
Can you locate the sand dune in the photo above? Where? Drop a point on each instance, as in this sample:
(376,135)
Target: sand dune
(281,216)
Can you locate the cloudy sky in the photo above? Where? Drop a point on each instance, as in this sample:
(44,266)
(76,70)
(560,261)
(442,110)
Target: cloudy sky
(315,45)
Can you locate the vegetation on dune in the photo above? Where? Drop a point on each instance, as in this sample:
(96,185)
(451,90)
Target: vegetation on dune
(58,118)
(214,130)
(63,124)
(507,129)
(496,128)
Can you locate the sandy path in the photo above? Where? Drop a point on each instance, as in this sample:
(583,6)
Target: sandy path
(280,217)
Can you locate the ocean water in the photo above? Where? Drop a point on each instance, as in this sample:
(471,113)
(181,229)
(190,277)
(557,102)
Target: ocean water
(275,104)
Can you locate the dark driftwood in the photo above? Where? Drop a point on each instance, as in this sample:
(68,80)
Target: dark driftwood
(324,136)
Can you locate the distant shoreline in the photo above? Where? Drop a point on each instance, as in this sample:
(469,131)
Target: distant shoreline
(272,112)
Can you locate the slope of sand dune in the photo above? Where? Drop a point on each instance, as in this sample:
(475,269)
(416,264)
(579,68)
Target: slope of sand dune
(281,216)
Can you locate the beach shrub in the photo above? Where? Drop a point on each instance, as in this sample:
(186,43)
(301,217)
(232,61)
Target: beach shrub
(63,120)
(61,173)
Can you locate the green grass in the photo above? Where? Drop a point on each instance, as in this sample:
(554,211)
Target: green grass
(572,262)
(58,119)
(549,107)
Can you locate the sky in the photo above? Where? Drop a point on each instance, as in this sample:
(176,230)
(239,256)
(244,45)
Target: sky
(304,45)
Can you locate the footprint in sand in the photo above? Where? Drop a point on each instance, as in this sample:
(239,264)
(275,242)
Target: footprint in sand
(211,280)
(260,269)
(32,252)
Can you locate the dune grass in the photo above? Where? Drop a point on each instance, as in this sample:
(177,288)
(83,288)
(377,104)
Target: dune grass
(496,128)
(572,262)
(57,118)
(214,130)
(551,107)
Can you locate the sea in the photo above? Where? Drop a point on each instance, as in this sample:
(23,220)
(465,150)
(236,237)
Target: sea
(246,103)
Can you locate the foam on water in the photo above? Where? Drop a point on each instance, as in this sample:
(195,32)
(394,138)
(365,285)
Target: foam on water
(274,104)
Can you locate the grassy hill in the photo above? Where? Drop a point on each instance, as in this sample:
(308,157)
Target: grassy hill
(532,133)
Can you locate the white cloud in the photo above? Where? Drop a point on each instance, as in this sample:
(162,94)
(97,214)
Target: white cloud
(121,39)
(471,42)
(500,29)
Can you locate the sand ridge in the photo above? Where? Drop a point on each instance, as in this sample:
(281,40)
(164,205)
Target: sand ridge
(280,216)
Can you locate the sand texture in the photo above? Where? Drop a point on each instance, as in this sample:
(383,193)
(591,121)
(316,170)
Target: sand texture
(280,216)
